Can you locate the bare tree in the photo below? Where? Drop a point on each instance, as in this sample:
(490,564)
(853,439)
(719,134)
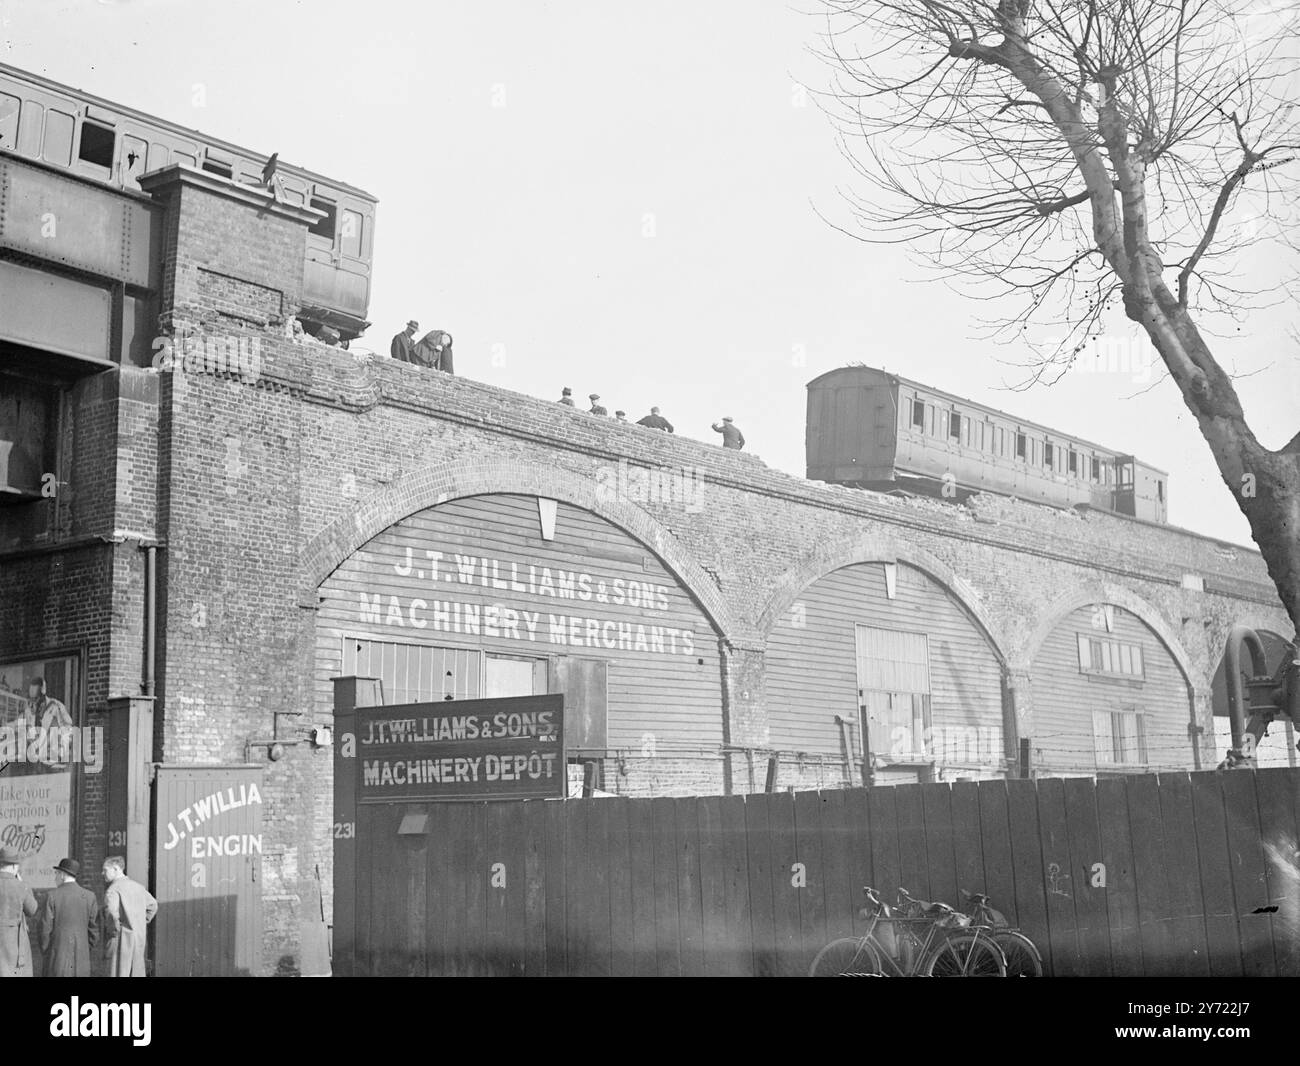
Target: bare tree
(1085,155)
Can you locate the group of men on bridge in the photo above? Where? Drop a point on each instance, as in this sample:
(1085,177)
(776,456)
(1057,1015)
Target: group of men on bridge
(432,351)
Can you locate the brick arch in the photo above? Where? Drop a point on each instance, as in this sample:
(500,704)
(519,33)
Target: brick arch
(851,551)
(433,485)
(1101,592)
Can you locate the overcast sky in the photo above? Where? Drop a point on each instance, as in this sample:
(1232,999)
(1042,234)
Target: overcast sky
(617,197)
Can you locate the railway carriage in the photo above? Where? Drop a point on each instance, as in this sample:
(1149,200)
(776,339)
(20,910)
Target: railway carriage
(877,430)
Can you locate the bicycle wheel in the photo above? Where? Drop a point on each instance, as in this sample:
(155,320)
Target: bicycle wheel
(965,955)
(1023,958)
(849,956)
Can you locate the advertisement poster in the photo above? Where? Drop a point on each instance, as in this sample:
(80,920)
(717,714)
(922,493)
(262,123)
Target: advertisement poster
(39,742)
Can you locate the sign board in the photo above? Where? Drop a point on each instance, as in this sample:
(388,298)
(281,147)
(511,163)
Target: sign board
(460,750)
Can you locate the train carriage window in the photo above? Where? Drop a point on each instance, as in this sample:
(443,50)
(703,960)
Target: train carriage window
(325,226)
(213,166)
(1073,462)
(57,147)
(918,415)
(1096,469)
(1048,453)
(96,145)
(9,107)
(1160,491)
(350,232)
(1020,446)
(954,426)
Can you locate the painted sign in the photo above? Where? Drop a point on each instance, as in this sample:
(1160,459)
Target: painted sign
(207,871)
(465,750)
(573,606)
(39,743)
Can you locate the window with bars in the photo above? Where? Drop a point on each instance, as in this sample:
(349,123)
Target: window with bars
(1119,737)
(422,673)
(416,673)
(1113,658)
(894,693)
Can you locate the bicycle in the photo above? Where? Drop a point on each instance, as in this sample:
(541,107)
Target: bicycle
(929,940)
(1022,955)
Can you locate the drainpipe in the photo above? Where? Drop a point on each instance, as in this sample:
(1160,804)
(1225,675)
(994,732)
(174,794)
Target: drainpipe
(150,617)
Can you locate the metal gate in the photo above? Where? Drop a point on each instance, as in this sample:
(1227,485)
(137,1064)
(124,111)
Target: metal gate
(207,869)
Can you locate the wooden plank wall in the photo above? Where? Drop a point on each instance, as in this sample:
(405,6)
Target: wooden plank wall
(1152,874)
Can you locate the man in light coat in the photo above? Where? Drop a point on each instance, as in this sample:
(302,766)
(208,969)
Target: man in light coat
(69,924)
(128,909)
(17,904)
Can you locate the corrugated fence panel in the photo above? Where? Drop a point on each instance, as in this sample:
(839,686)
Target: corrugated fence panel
(1249,881)
(1278,792)
(1139,876)
(1120,890)
(1086,862)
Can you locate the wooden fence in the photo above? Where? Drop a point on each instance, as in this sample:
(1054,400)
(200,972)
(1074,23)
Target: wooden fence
(1175,874)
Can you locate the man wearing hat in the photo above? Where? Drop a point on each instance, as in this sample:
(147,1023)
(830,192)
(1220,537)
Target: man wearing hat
(17,904)
(404,343)
(42,710)
(654,420)
(128,908)
(731,435)
(566,397)
(596,409)
(69,924)
(620,416)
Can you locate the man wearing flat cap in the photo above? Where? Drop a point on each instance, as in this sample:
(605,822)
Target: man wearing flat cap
(403,344)
(596,408)
(69,924)
(17,904)
(566,397)
(731,435)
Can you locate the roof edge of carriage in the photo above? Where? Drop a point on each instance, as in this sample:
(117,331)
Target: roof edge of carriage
(176,127)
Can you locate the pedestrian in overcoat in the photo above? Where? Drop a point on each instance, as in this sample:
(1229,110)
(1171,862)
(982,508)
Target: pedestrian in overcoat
(17,904)
(128,909)
(69,924)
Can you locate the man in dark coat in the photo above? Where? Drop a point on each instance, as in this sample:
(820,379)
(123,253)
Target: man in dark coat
(566,397)
(128,908)
(404,342)
(17,904)
(69,924)
(655,421)
(434,351)
(731,435)
(596,406)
